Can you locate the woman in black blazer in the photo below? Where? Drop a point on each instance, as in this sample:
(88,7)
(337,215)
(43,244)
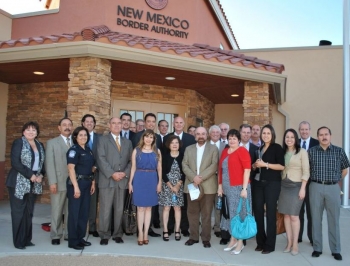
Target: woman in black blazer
(173,179)
(24,183)
(267,187)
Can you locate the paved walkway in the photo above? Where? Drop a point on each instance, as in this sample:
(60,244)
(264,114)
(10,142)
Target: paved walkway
(157,252)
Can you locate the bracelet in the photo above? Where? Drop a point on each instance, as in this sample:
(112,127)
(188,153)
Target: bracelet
(244,188)
(267,166)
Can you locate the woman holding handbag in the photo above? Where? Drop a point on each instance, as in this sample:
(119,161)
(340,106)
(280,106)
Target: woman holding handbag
(233,173)
(294,179)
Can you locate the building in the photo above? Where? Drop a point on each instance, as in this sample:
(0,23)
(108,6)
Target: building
(109,57)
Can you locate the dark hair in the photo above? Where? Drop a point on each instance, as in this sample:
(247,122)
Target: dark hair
(76,132)
(234,133)
(127,114)
(64,118)
(86,116)
(245,126)
(170,139)
(190,127)
(160,121)
(296,143)
(150,114)
(324,127)
(149,132)
(273,133)
(31,124)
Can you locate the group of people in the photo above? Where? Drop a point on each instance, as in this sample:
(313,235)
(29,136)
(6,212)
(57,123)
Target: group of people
(86,170)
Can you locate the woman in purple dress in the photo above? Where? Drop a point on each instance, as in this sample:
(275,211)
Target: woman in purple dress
(145,181)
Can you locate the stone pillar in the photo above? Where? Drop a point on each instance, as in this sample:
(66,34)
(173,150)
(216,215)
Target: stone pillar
(89,90)
(256,104)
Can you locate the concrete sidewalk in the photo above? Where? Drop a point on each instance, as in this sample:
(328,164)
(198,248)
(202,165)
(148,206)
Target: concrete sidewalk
(157,252)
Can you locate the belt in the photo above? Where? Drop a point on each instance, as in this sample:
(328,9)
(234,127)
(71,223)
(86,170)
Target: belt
(325,182)
(145,170)
(85,177)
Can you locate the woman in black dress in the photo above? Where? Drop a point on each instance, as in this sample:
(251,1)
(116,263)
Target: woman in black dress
(172,189)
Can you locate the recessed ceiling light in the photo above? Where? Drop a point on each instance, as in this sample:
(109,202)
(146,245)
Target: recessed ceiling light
(234,95)
(38,73)
(170,78)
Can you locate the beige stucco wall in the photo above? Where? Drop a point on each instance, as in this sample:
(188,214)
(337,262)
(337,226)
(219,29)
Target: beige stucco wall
(314,87)
(231,114)
(3,113)
(5,28)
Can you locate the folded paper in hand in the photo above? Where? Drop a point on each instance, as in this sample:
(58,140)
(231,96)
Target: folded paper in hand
(194,191)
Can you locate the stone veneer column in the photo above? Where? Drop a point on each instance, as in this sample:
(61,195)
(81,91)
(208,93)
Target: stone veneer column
(89,90)
(256,104)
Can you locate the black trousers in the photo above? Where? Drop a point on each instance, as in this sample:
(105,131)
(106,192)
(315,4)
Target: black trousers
(266,192)
(306,204)
(22,217)
(78,209)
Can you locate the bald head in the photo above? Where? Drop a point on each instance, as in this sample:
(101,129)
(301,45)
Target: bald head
(179,125)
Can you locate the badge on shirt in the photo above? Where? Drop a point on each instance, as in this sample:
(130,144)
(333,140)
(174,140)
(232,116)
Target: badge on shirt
(71,154)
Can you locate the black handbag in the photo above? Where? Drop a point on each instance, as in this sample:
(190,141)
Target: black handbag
(225,212)
(129,221)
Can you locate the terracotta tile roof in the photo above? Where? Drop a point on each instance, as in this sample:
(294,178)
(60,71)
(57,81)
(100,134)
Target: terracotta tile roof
(104,34)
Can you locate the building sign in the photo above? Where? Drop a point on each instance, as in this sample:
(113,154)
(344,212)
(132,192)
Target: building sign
(131,18)
(157,4)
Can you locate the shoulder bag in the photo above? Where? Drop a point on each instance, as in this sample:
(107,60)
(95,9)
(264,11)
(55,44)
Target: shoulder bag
(129,221)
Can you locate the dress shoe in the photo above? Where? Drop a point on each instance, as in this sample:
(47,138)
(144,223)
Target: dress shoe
(206,244)
(316,254)
(21,247)
(294,253)
(266,252)
(165,238)
(55,241)
(77,247)
(152,233)
(94,233)
(218,234)
(287,250)
(190,242)
(337,256)
(156,225)
(140,243)
(30,244)
(85,243)
(104,242)
(258,248)
(185,233)
(230,248)
(237,252)
(119,240)
(145,241)
(223,241)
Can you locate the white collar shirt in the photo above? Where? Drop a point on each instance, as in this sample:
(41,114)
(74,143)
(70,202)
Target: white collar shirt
(179,135)
(217,144)
(307,144)
(200,152)
(244,145)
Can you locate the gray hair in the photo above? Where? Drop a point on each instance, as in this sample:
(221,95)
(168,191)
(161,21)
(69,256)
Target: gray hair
(214,127)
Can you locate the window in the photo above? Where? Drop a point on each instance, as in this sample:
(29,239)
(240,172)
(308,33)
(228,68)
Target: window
(134,114)
(169,118)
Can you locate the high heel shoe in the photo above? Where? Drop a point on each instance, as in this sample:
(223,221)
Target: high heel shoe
(165,238)
(140,243)
(177,236)
(287,250)
(294,253)
(145,241)
(237,252)
(230,248)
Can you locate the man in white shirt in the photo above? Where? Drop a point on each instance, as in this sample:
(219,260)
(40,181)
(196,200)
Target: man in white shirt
(255,137)
(224,128)
(89,122)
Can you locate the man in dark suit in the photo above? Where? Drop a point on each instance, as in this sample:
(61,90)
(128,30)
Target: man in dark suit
(163,127)
(126,132)
(150,123)
(57,173)
(114,162)
(187,140)
(306,142)
(89,122)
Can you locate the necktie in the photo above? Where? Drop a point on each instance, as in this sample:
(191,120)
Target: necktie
(125,135)
(90,143)
(68,142)
(117,142)
(304,145)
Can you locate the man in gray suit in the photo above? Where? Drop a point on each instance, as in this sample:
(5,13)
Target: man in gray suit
(215,134)
(57,173)
(89,122)
(200,164)
(114,162)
